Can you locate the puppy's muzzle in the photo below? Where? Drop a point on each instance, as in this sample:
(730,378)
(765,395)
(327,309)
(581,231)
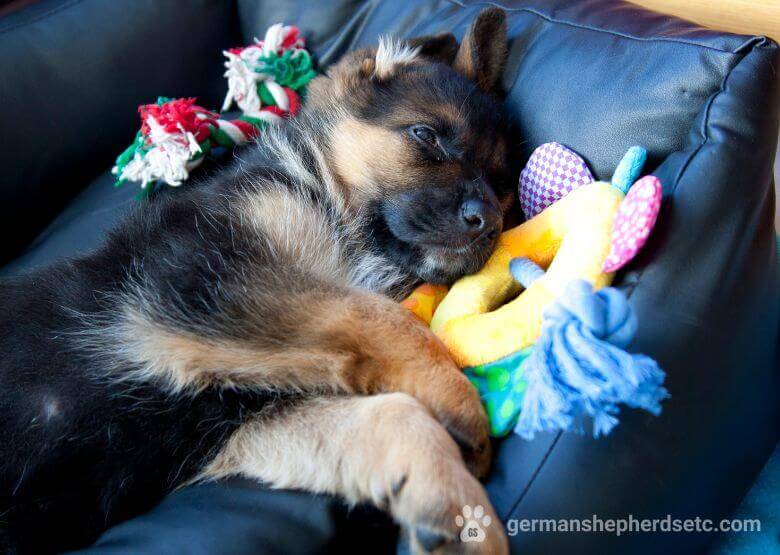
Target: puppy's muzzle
(480,212)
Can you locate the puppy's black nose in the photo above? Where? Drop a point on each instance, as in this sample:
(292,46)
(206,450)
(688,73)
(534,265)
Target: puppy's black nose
(479,217)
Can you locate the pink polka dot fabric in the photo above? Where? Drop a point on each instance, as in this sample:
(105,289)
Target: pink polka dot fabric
(634,221)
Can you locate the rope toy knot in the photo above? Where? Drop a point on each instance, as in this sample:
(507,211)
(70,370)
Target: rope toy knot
(601,315)
(265,79)
(579,365)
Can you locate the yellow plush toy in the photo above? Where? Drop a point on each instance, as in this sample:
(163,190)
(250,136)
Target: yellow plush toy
(571,239)
(578,229)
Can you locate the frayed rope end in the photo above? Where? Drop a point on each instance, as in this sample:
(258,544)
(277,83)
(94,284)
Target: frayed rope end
(579,368)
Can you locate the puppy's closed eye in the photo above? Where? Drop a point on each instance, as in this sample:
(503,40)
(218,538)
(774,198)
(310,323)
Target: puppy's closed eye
(424,134)
(430,141)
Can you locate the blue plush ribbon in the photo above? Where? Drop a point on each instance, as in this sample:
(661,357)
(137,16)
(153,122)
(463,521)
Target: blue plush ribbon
(629,168)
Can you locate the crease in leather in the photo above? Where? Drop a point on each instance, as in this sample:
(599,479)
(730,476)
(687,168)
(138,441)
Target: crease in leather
(531,480)
(347,38)
(41,16)
(704,131)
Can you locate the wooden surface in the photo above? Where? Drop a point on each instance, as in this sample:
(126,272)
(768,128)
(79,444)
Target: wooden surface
(747,17)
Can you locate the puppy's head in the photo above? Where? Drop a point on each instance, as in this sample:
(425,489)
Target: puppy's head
(422,144)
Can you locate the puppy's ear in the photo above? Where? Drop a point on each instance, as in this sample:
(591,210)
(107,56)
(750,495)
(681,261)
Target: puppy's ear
(440,48)
(482,54)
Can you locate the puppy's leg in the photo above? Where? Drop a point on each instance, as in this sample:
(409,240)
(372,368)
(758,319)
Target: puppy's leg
(336,340)
(384,449)
(394,352)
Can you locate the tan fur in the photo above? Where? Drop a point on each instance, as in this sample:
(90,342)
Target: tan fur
(465,60)
(289,153)
(365,155)
(296,230)
(301,234)
(385,449)
(344,77)
(349,341)
(189,363)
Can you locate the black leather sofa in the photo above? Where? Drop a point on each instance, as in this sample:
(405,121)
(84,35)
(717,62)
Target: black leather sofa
(597,75)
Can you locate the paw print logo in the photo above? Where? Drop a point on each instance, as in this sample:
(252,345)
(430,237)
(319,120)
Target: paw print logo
(473,522)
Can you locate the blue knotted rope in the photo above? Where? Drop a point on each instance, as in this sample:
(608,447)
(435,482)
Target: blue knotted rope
(579,365)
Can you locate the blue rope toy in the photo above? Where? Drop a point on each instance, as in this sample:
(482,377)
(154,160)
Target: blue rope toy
(578,367)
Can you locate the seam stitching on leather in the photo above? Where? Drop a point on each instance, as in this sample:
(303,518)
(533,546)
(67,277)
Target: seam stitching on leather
(591,28)
(533,477)
(39,17)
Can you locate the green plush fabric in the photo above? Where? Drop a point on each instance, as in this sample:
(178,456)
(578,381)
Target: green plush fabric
(501,385)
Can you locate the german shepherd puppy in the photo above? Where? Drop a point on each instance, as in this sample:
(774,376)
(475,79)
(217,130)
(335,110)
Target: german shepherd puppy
(249,324)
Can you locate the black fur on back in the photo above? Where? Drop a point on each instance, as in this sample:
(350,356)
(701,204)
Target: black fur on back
(82,451)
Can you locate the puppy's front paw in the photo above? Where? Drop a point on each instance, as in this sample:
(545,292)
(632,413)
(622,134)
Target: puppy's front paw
(451,517)
(459,409)
(418,475)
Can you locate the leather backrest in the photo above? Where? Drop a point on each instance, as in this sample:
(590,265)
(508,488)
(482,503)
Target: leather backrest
(72,77)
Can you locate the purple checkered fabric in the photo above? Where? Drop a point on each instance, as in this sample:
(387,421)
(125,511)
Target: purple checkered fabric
(552,172)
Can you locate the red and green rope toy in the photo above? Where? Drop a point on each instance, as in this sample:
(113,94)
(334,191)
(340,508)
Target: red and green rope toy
(265,81)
